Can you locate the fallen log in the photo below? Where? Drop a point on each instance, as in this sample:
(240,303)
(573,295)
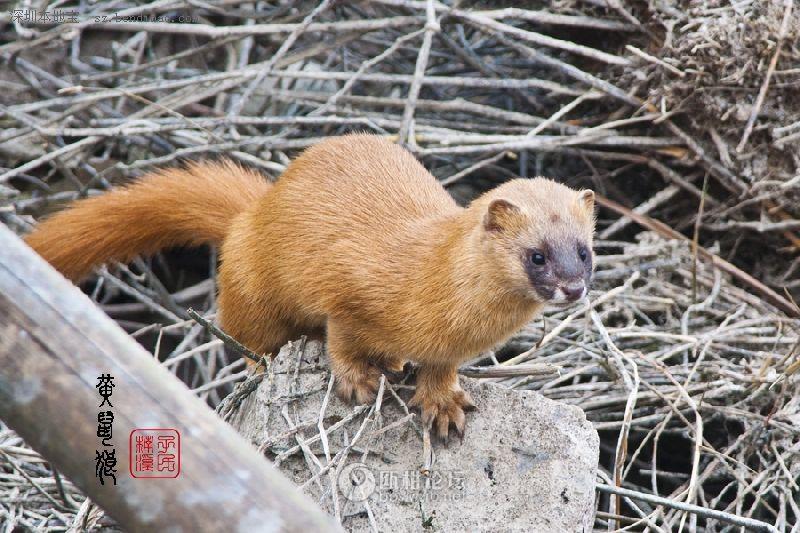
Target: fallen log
(54,345)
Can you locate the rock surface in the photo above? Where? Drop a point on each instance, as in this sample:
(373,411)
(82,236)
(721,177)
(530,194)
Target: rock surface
(526,463)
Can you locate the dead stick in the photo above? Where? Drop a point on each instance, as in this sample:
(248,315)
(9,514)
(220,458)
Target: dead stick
(762,93)
(665,231)
(229,341)
(508,371)
(690,508)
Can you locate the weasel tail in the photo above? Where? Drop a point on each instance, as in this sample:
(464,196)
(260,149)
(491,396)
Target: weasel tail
(172,207)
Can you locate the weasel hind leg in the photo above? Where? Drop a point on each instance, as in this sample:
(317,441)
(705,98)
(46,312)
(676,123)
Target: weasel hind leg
(263,338)
(264,331)
(357,379)
(264,316)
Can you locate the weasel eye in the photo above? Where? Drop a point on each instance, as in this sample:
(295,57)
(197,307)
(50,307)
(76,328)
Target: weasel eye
(583,253)
(537,258)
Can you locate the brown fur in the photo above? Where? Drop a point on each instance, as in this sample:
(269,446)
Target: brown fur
(171,207)
(356,237)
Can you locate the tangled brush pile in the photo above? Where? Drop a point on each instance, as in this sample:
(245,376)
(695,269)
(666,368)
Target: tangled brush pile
(683,115)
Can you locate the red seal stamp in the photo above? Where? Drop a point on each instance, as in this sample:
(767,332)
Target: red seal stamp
(155,453)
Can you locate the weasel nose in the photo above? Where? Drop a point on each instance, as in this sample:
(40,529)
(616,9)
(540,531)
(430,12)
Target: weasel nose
(574,292)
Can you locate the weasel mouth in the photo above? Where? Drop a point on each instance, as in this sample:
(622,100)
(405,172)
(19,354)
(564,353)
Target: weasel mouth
(569,293)
(562,297)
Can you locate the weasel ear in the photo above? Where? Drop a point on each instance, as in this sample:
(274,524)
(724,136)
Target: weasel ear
(499,214)
(586,199)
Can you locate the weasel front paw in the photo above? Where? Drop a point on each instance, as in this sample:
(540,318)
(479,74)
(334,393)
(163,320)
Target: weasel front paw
(357,384)
(443,410)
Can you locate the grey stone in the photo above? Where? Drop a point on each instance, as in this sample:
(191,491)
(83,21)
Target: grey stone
(526,463)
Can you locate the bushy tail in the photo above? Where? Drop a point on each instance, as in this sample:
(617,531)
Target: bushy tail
(171,207)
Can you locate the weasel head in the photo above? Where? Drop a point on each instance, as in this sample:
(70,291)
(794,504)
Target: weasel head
(537,237)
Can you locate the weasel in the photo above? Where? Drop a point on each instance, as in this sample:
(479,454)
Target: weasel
(359,239)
